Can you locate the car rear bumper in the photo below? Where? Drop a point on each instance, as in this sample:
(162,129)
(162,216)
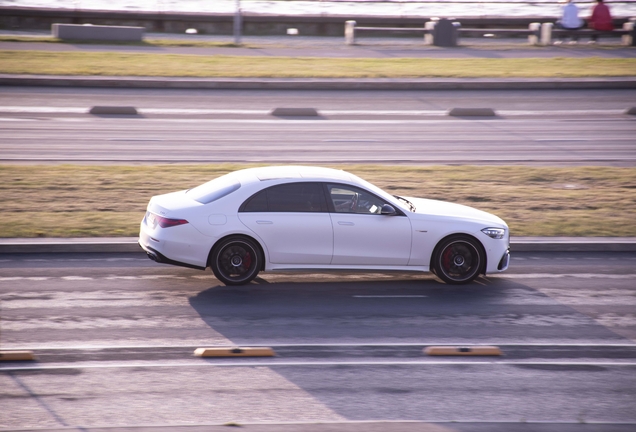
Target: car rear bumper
(158,257)
(179,245)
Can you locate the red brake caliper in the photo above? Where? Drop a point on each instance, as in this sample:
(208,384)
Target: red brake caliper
(247,260)
(446,258)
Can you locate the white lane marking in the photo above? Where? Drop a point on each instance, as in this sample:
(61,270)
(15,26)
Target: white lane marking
(269,363)
(73,322)
(349,140)
(144,277)
(563,275)
(44,110)
(134,139)
(24,278)
(498,275)
(194,111)
(384,112)
(563,139)
(389,296)
(191,111)
(208,343)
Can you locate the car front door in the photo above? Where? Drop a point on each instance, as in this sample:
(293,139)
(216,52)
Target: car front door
(293,222)
(362,235)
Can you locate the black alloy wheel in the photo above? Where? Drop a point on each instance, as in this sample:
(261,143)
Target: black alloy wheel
(236,260)
(458,260)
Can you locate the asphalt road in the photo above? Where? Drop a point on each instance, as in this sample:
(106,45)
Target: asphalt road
(114,337)
(532,127)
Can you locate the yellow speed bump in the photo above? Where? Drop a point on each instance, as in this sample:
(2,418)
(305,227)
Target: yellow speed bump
(16,355)
(463,351)
(235,352)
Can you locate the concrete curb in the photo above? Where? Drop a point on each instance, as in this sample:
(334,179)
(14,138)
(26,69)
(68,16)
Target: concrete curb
(321,84)
(129,245)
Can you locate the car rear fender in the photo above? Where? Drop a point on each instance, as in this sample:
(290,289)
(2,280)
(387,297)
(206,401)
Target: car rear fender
(258,243)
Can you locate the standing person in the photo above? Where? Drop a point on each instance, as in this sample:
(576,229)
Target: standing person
(601,19)
(570,20)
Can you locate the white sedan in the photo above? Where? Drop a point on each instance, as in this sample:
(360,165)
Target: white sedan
(308,218)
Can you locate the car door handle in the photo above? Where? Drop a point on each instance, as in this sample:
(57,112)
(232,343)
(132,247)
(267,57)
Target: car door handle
(264,222)
(345,223)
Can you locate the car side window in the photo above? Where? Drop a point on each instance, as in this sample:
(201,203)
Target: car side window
(349,199)
(256,203)
(290,197)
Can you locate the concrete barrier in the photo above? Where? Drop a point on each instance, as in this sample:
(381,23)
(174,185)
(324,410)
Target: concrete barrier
(463,351)
(235,352)
(472,112)
(535,28)
(16,356)
(97,32)
(546,34)
(629,39)
(350,32)
(294,112)
(113,110)
(351,28)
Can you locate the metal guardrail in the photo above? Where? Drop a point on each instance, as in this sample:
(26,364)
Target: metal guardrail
(537,33)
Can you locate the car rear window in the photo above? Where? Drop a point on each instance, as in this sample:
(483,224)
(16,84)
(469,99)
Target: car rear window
(214,190)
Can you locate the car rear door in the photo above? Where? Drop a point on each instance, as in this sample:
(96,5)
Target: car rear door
(292,221)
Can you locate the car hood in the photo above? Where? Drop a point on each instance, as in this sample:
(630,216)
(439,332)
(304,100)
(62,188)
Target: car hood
(447,209)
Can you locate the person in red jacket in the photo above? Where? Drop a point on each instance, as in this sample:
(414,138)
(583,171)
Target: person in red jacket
(601,19)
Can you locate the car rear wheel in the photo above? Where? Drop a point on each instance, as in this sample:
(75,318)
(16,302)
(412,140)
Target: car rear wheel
(236,260)
(458,260)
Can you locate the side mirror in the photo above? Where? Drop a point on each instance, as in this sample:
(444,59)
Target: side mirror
(388,210)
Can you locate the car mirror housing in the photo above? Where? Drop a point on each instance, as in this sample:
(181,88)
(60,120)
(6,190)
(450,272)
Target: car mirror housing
(388,210)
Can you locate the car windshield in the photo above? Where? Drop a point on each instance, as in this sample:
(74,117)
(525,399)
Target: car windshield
(409,203)
(382,194)
(214,190)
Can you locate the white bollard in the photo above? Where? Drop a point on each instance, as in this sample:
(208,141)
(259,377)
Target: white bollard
(546,34)
(428,37)
(350,32)
(533,39)
(627,39)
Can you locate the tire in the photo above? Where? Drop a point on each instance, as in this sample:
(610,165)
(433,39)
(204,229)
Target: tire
(458,260)
(236,260)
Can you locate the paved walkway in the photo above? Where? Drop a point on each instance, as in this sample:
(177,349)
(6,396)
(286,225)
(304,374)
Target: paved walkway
(312,46)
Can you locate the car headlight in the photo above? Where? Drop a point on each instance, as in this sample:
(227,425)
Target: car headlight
(496,233)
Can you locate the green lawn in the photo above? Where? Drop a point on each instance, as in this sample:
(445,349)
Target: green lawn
(136,64)
(85,201)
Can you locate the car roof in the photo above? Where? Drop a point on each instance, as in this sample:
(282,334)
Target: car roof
(254,175)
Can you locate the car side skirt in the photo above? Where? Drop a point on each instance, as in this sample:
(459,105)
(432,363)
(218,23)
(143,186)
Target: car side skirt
(344,268)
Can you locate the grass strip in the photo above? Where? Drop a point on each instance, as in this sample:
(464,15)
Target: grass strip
(104,200)
(177,65)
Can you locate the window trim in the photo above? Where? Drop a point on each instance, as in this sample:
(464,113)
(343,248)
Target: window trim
(332,209)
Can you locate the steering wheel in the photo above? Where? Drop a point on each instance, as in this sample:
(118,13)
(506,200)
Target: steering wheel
(354,203)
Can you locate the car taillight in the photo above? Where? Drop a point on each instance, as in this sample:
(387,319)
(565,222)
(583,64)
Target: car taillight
(167,222)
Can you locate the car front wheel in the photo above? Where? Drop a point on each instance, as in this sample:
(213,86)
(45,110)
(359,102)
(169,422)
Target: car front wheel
(458,260)
(235,261)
